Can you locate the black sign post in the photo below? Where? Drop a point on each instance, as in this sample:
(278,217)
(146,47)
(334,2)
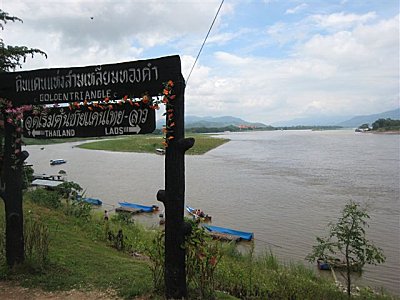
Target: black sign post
(103,83)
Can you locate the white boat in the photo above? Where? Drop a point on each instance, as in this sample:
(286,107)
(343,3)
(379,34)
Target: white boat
(160,151)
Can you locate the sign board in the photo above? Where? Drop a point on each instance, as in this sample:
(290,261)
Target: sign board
(113,81)
(61,122)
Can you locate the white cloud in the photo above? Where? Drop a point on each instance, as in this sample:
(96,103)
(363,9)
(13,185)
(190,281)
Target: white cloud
(342,20)
(344,73)
(296,9)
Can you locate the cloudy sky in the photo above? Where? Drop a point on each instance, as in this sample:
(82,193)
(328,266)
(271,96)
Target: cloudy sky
(264,60)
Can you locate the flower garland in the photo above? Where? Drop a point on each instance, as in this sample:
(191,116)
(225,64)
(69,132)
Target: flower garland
(14,116)
(166,98)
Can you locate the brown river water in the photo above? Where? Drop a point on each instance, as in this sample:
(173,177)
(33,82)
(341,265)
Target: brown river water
(285,186)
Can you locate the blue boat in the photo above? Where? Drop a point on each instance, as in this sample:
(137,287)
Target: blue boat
(54,162)
(92,201)
(229,234)
(132,207)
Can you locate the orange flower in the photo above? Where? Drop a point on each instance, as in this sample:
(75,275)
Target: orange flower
(165,92)
(165,144)
(145,99)
(170,83)
(171,137)
(90,108)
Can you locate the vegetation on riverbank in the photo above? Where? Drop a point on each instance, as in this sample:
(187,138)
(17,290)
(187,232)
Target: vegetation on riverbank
(149,143)
(134,143)
(381,126)
(72,247)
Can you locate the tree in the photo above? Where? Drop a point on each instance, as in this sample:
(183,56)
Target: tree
(12,57)
(11,156)
(347,243)
(364,126)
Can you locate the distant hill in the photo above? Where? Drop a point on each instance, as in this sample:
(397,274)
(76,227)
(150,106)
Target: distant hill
(213,122)
(312,121)
(343,121)
(369,119)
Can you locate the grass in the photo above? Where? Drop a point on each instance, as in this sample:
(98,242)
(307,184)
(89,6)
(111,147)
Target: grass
(79,260)
(134,143)
(32,141)
(148,144)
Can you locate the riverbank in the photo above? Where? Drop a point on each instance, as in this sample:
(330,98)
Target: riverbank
(83,261)
(135,143)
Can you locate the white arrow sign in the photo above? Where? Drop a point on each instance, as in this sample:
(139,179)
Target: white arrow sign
(37,133)
(133,129)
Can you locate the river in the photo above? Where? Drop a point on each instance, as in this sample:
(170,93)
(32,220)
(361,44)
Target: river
(285,186)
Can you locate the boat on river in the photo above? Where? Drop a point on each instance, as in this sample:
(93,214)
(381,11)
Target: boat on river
(160,151)
(92,201)
(227,234)
(338,264)
(198,214)
(134,208)
(58,161)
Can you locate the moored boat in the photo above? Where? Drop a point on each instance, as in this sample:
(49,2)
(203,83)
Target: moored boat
(198,215)
(92,201)
(336,264)
(135,208)
(160,151)
(222,233)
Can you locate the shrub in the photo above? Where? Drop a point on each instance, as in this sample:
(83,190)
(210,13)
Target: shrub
(46,198)
(78,209)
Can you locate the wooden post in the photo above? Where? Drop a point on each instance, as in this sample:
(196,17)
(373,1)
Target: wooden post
(174,201)
(13,196)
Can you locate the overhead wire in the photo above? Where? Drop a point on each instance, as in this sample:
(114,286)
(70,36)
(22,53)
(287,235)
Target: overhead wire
(205,39)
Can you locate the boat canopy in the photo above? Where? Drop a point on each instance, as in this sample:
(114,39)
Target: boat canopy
(248,236)
(93,201)
(144,208)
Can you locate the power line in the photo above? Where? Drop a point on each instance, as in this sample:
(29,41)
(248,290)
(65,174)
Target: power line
(201,48)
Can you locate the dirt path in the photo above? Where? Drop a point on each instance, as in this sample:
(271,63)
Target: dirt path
(10,290)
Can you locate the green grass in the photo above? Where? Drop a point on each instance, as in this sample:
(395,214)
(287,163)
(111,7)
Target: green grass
(79,260)
(148,144)
(32,141)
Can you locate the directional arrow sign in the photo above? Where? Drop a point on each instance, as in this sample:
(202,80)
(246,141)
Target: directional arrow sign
(61,122)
